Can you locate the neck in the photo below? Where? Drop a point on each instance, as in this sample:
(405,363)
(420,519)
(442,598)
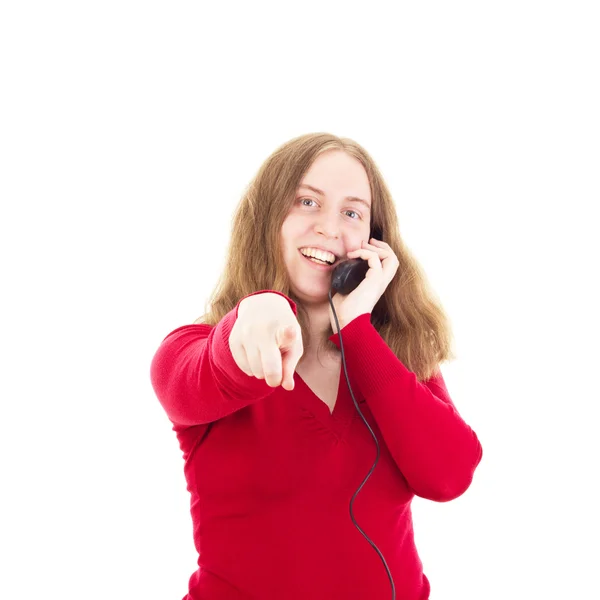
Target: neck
(319,325)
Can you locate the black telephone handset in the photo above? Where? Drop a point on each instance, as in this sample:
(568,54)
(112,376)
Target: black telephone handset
(349,273)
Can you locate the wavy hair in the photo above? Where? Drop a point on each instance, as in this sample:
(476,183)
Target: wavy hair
(408,316)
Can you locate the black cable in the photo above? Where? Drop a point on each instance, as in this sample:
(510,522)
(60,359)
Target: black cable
(376,458)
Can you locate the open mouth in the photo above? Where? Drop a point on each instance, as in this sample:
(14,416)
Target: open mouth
(317,262)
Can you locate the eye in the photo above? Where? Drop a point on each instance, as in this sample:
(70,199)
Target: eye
(311,200)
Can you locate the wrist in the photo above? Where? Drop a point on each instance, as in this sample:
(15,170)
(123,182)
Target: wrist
(344,320)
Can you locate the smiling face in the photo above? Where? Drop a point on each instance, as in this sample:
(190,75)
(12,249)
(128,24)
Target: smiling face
(327,211)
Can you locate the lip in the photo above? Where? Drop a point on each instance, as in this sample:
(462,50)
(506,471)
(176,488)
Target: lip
(324,250)
(317,266)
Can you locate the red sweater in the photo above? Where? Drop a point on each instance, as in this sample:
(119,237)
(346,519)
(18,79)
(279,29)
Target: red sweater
(271,472)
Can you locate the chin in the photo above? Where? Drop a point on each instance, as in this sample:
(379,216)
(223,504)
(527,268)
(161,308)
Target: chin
(311,295)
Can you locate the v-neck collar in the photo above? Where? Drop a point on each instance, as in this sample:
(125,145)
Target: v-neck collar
(343,412)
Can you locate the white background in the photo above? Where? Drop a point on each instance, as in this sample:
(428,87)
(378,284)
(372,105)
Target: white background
(128,132)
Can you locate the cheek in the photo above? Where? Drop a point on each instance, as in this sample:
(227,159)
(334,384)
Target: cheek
(289,231)
(286,240)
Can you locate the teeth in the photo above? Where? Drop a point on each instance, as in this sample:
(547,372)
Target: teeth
(324,256)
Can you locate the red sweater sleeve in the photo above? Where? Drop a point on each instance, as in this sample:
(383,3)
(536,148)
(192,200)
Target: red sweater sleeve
(436,451)
(195,376)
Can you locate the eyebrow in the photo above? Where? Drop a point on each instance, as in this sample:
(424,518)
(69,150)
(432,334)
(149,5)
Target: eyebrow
(322,193)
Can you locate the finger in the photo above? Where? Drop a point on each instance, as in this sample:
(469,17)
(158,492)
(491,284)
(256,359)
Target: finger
(271,364)
(289,362)
(240,357)
(271,354)
(374,246)
(382,253)
(285,337)
(377,242)
(369,255)
(255,361)
(357,251)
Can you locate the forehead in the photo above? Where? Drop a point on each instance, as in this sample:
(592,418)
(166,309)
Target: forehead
(338,169)
(336,173)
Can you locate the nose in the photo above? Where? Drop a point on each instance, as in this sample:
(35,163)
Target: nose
(328,224)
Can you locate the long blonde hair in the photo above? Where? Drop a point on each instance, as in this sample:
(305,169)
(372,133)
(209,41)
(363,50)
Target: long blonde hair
(408,316)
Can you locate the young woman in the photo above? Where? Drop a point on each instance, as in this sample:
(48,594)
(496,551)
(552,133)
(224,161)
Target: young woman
(282,416)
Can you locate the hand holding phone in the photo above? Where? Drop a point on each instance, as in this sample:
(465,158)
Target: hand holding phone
(349,302)
(348,274)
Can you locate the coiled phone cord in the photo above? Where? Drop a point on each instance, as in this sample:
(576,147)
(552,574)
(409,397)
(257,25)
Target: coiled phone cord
(376,458)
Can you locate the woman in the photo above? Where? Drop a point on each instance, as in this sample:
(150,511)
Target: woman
(274,444)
